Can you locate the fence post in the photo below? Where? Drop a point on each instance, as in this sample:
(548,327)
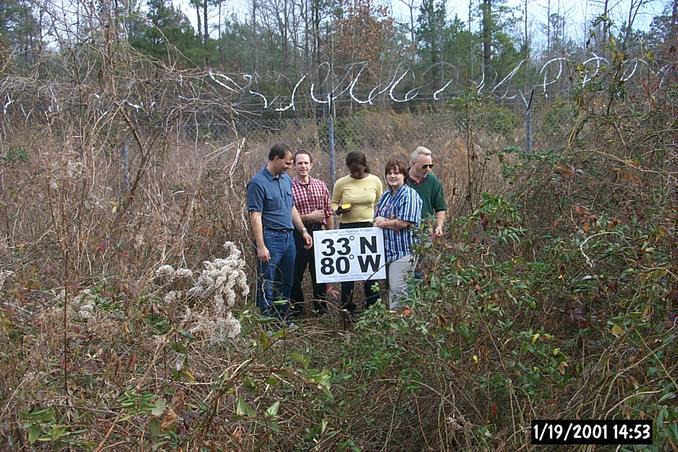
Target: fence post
(330,137)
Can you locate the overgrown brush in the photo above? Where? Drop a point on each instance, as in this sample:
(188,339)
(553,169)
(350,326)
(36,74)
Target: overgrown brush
(552,295)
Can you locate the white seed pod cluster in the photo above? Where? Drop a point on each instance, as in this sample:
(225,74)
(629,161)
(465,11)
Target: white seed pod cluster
(173,296)
(219,281)
(165,272)
(84,304)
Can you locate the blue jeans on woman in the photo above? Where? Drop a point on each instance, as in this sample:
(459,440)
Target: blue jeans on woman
(274,278)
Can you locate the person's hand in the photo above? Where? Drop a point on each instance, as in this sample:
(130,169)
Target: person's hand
(317,216)
(263,254)
(308,240)
(332,292)
(438,232)
(380,222)
(343,209)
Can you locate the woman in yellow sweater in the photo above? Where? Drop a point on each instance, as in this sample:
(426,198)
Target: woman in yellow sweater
(353,199)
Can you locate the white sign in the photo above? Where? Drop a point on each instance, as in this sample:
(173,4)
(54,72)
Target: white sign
(349,255)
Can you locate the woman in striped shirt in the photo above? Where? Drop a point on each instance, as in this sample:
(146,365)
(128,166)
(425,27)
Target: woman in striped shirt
(398,213)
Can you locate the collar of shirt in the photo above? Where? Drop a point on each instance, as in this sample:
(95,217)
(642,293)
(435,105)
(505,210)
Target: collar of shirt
(421,181)
(390,190)
(302,183)
(270,176)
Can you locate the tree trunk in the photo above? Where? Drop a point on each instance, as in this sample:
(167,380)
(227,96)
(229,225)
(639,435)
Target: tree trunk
(254,34)
(526,37)
(487,34)
(605,28)
(204,23)
(315,18)
(285,38)
(197,13)
(221,47)
(548,30)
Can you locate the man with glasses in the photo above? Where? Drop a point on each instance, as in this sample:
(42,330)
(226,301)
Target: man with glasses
(429,188)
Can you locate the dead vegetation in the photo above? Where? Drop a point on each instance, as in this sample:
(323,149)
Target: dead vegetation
(553,296)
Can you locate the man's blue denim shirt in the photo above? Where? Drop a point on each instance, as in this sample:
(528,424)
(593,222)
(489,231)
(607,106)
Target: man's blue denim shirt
(272,196)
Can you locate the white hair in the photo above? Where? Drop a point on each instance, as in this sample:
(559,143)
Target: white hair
(420,150)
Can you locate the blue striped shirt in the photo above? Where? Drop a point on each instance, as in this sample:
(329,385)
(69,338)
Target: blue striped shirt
(405,204)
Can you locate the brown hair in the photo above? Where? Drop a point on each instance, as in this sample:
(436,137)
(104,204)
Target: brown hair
(279,150)
(303,151)
(398,165)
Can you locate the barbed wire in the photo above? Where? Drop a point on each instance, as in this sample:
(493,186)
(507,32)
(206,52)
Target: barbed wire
(199,92)
(402,85)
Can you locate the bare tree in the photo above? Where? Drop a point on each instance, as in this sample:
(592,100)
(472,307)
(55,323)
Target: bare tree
(221,50)
(411,6)
(205,27)
(487,33)
(280,11)
(254,35)
(603,23)
(197,4)
(548,29)
(634,8)
(526,37)
(305,18)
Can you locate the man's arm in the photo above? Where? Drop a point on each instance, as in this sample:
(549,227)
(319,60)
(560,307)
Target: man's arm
(258,231)
(296,219)
(317,216)
(440,222)
(440,206)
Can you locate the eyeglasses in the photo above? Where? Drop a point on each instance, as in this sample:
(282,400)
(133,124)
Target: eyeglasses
(430,165)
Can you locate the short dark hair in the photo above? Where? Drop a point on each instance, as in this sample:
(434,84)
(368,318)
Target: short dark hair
(398,165)
(303,151)
(279,150)
(356,158)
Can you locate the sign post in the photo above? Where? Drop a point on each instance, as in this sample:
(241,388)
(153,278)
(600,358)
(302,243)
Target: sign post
(349,255)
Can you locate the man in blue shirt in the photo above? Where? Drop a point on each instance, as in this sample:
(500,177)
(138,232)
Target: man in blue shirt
(273,218)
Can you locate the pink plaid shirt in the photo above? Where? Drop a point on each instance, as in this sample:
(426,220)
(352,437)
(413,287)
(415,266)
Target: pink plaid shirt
(311,196)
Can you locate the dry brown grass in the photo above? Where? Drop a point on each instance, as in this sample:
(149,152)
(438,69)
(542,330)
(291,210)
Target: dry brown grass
(68,225)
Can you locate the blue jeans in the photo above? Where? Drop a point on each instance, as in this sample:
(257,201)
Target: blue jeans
(274,278)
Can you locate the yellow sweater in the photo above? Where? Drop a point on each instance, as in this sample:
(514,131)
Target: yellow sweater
(362,194)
